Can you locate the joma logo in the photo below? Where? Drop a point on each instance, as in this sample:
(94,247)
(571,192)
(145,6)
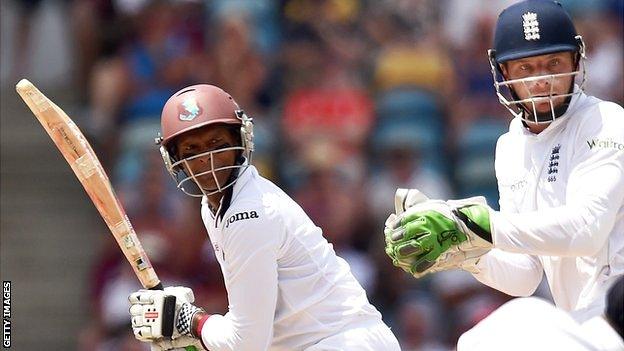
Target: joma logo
(240,216)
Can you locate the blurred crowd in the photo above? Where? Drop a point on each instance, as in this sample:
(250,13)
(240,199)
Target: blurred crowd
(350,98)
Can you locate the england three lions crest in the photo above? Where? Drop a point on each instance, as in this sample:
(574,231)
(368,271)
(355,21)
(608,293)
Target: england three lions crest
(531,26)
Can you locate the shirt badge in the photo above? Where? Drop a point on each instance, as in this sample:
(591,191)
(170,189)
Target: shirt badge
(553,163)
(191,110)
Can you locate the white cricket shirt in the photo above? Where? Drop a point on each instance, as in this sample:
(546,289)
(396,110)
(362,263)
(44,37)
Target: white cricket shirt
(286,287)
(562,212)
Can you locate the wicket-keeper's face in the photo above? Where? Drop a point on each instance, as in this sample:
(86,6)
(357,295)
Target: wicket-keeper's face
(206,154)
(543,66)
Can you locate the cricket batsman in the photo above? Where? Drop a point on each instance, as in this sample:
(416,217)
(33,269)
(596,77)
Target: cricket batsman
(286,287)
(560,173)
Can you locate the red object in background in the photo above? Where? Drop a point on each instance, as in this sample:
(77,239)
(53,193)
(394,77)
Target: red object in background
(344,114)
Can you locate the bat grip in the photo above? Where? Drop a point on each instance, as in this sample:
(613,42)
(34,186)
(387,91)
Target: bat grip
(159,286)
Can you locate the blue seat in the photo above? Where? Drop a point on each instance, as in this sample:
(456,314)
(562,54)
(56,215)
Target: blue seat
(407,101)
(474,169)
(424,138)
(136,139)
(415,134)
(410,112)
(481,136)
(489,192)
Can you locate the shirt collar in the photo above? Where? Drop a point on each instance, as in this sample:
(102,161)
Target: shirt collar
(245,175)
(575,102)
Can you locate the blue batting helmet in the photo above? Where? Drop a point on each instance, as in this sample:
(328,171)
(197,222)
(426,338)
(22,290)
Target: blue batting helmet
(532,28)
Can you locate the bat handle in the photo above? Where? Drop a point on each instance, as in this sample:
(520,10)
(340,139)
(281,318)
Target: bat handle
(159,286)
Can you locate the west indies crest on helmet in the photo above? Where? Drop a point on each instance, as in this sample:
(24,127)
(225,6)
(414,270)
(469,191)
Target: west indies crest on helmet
(533,28)
(194,107)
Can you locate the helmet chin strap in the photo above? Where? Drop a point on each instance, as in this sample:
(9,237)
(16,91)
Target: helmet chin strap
(227,192)
(230,180)
(550,115)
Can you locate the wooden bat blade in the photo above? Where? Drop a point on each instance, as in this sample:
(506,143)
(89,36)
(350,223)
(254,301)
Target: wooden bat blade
(78,152)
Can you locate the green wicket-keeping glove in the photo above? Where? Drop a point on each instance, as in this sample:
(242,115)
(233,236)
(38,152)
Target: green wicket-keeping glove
(426,236)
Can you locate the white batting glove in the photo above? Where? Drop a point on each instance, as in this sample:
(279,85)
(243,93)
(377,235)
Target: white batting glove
(162,315)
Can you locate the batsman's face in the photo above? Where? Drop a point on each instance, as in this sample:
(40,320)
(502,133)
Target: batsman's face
(542,83)
(206,155)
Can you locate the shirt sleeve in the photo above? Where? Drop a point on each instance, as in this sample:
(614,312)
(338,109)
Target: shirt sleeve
(594,195)
(250,272)
(512,273)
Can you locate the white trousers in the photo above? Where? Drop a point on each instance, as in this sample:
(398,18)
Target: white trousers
(372,335)
(534,324)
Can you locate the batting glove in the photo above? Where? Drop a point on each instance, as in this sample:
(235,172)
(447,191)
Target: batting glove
(163,315)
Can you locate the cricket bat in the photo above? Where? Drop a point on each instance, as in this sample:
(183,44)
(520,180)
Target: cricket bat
(78,152)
